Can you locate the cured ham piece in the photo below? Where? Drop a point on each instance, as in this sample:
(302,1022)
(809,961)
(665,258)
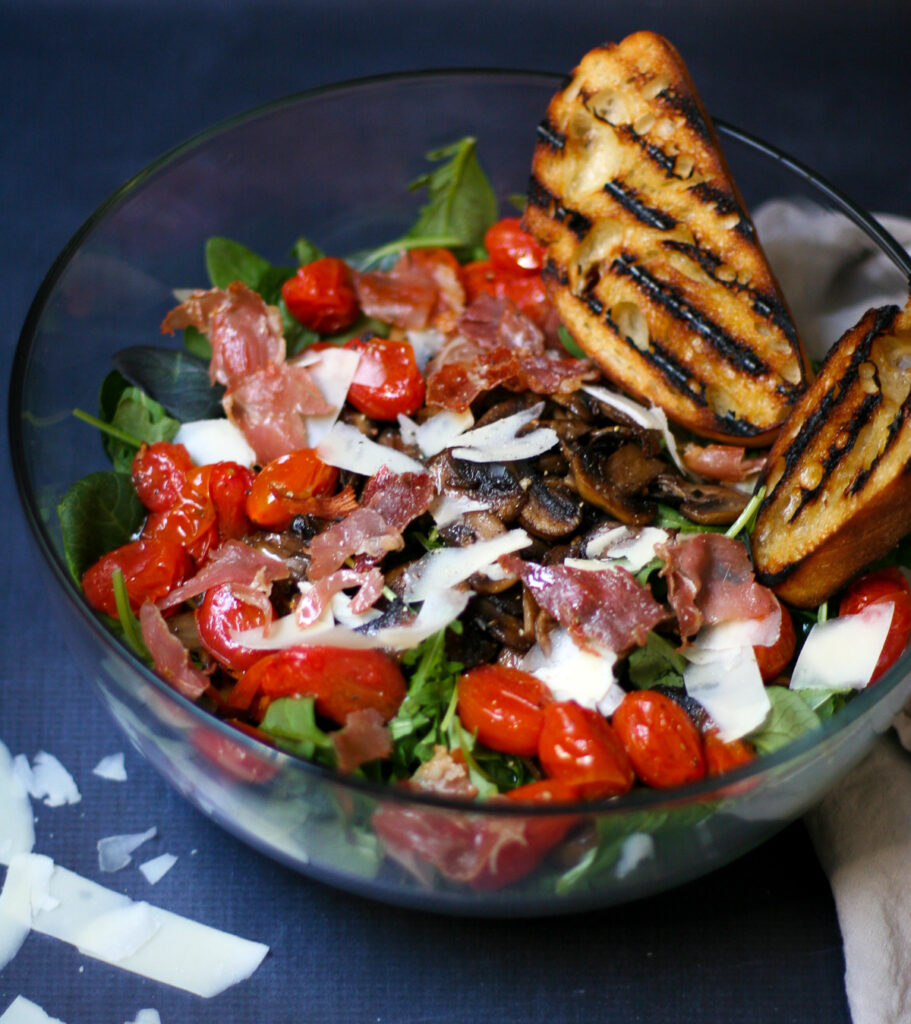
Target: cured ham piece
(390,501)
(314,601)
(270,407)
(710,580)
(423,289)
(609,607)
(245,334)
(170,657)
(363,738)
(232,562)
(725,462)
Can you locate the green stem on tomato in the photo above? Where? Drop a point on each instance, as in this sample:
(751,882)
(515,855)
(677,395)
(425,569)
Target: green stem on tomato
(107,428)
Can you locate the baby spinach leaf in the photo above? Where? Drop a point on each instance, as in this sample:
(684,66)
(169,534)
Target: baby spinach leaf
(142,418)
(789,717)
(98,513)
(174,378)
(655,664)
(291,722)
(228,261)
(304,251)
(196,343)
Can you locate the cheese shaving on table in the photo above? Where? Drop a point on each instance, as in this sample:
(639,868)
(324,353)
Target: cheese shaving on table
(114,852)
(47,779)
(17,823)
(24,1011)
(111,768)
(842,653)
(155,869)
(345,447)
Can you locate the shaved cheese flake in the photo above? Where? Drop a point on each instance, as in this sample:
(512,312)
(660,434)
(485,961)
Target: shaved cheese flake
(446,567)
(136,937)
(111,768)
(633,549)
(17,823)
(148,1016)
(332,371)
(653,418)
(156,868)
(47,779)
(446,508)
(20,902)
(346,447)
(572,673)
(842,653)
(24,1011)
(499,441)
(728,636)
(217,440)
(114,851)
(426,344)
(729,686)
(436,433)
(503,429)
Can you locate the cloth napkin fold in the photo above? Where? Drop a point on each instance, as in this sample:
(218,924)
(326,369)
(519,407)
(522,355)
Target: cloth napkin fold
(831,274)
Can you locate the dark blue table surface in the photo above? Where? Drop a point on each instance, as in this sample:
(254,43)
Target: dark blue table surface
(90,92)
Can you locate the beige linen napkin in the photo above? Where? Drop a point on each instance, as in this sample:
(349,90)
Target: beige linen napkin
(831,275)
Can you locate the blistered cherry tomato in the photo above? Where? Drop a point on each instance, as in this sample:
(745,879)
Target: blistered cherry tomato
(526,291)
(579,746)
(224,610)
(773,660)
(504,707)
(191,520)
(158,474)
(664,746)
(151,568)
(285,487)
(229,484)
(722,756)
(387,381)
(879,586)
(340,680)
(321,295)
(512,249)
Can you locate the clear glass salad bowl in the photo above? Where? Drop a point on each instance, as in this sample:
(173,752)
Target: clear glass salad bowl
(333,165)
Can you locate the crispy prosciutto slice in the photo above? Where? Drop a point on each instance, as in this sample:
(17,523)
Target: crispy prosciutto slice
(725,462)
(315,600)
(364,737)
(608,607)
(390,502)
(232,562)
(171,658)
(423,289)
(710,580)
(245,333)
(270,406)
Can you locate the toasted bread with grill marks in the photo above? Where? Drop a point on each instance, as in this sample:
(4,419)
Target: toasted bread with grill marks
(652,258)
(838,479)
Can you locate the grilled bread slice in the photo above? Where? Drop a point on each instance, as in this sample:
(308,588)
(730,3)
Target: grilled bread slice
(838,479)
(652,259)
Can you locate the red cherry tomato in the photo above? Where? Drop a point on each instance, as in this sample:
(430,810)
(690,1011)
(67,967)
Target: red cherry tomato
(526,291)
(191,520)
(722,756)
(224,610)
(233,757)
(340,680)
(504,707)
(321,295)
(387,381)
(662,742)
(229,485)
(511,249)
(158,474)
(774,660)
(285,487)
(579,746)
(883,585)
(151,568)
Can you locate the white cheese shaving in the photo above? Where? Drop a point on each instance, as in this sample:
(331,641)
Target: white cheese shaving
(148,1016)
(46,779)
(156,868)
(111,768)
(134,936)
(728,684)
(446,508)
(24,1011)
(733,635)
(17,823)
(437,432)
(114,851)
(498,441)
(842,653)
(444,568)
(426,344)
(217,440)
(19,903)
(633,549)
(653,418)
(346,447)
(572,673)
(332,372)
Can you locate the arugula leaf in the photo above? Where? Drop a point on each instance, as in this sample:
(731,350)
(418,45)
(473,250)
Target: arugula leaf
(291,722)
(670,519)
(98,513)
(655,664)
(176,379)
(790,716)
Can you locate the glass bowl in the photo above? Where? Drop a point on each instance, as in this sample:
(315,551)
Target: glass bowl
(333,165)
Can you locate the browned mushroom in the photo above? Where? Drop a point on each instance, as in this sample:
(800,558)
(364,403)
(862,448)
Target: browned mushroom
(551,510)
(494,483)
(616,478)
(704,504)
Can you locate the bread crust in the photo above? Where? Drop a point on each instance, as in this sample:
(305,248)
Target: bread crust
(652,258)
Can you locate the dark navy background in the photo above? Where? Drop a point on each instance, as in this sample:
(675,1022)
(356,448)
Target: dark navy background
(91,91)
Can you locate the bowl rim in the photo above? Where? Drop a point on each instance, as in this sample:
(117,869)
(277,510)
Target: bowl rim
(719,788)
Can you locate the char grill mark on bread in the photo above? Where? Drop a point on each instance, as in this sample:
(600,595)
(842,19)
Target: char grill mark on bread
(838,479)
(652,260)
